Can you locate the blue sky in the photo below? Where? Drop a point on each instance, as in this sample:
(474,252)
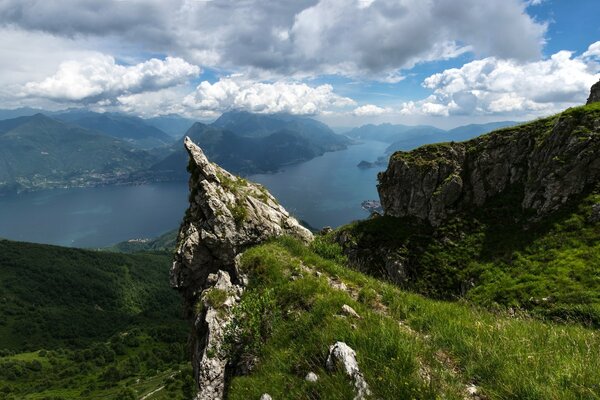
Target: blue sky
(346,62)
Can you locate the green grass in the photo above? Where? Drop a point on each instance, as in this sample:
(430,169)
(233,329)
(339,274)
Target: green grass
(407,346)
(495,256)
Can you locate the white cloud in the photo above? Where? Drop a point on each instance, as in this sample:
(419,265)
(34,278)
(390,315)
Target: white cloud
(278,97)
(369,110)
(100,77)
(367,38)
(593,50)
(494,86)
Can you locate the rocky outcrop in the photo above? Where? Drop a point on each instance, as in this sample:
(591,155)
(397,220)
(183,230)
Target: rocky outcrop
(226,215)
(343,356)
(594,94)
(548,162)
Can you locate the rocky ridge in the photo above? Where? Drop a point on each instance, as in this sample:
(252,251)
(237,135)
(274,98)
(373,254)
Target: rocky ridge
(226,215)
(548,161)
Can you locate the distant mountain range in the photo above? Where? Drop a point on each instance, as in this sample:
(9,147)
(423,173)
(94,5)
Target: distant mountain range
(41,152)
(406,137)
(77,147)
(133,130)
(83,148)
(248,143)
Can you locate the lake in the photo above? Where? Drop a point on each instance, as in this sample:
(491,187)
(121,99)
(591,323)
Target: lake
(326,190)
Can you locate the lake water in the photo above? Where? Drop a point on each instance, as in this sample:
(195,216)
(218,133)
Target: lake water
(324,191)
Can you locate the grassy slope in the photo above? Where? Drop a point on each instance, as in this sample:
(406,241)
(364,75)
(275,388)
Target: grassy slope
(497,255)
(84,324)
(407,346)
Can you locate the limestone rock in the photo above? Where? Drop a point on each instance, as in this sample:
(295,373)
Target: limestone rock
(311,377)
(549,161)
(212,321)
(226,215)
(594,94)
(349,311)
(343,356)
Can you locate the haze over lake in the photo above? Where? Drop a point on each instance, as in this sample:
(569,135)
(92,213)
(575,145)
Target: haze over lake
(326,190)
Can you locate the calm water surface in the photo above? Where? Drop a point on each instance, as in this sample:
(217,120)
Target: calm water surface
(327,190)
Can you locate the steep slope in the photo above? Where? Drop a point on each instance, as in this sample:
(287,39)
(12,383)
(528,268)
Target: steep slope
(508,220)
(79,324)
(133,130)
(269,312)
(40,152)
(551,160)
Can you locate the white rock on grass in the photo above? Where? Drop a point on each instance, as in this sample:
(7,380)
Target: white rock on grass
(311,377)
(343,356)
(349,311)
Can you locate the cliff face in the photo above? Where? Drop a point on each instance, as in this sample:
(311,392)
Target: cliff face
(594,94)
(549,161)
(226,215)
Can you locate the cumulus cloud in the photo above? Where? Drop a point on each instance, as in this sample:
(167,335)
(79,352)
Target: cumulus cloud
(100,78)
(369,110)
(373,38)
(495,86)
(593,50)
(278,97)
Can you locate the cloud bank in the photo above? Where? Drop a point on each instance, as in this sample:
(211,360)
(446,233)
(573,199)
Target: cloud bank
(101,78)
(302,37)
(495,86)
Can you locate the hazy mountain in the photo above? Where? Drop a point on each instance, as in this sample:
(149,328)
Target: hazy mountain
(411,140)
(41,152)
(249,143)
(19,112)
(259,125)
(174,125)
(134,130)
(389,133)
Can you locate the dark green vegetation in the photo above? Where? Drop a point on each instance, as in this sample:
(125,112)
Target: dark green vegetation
(407,346)
(79,324)
(40,152)
(245,143)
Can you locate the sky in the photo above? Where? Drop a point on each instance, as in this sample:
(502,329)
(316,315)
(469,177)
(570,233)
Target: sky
(345,62)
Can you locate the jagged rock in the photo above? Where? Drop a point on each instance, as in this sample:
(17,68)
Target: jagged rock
(349,311)
(342,355)
(594,93)
(311,377)
(548,162)
(226,215)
